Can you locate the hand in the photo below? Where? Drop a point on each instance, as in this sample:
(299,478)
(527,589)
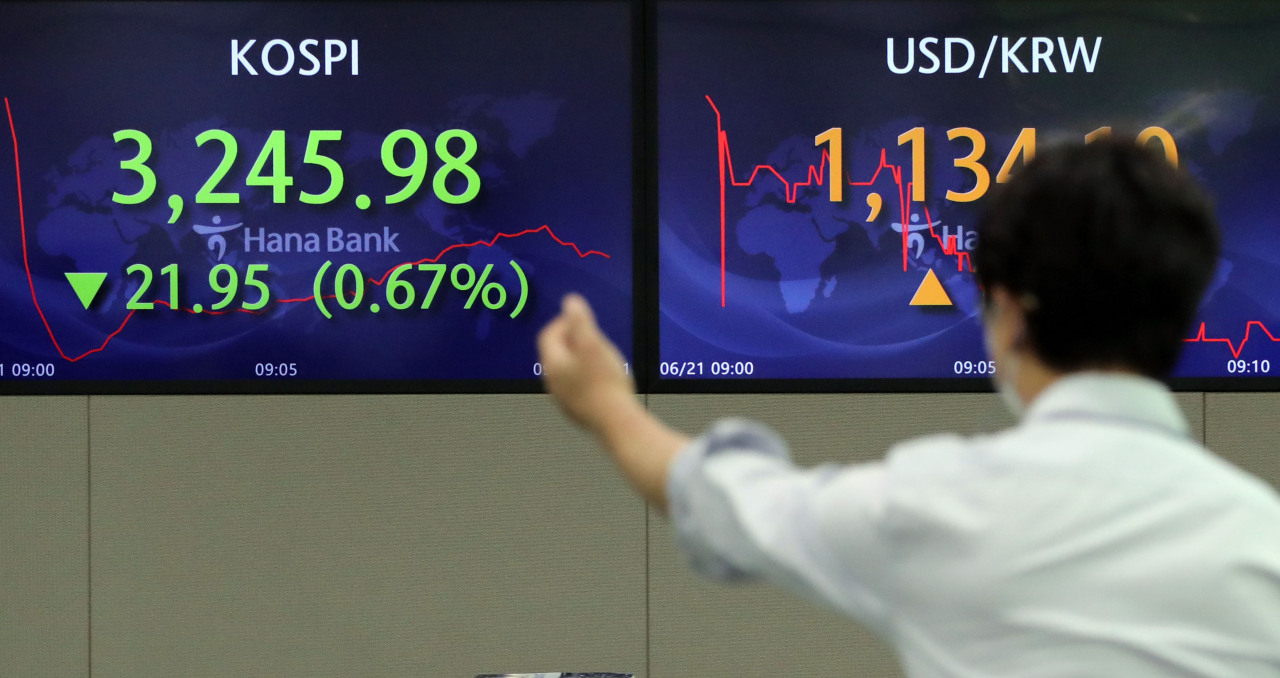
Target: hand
(582,370)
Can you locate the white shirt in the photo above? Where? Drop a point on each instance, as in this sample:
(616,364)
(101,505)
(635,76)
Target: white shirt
(1095,539)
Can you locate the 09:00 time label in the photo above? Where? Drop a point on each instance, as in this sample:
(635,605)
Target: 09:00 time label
(26,370)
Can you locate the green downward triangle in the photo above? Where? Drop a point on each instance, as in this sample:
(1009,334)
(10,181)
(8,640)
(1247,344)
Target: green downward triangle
(86,285)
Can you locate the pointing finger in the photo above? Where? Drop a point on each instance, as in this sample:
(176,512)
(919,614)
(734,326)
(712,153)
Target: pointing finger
(552,345)
(581,320)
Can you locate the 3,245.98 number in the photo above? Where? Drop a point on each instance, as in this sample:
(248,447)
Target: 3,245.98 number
(269,169)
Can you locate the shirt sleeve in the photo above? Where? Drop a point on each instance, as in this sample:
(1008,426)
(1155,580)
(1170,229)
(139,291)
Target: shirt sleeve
(741,508)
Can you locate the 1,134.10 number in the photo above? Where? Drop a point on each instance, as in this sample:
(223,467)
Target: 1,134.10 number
(1024,147)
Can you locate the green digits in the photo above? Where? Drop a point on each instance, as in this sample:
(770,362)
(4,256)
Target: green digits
(207,195)
(249,281)
(340,285)
(313,157)
(456,164)
(228,289)
(136,303)
(279,179)
(394,284)
(136,164)
(417,169)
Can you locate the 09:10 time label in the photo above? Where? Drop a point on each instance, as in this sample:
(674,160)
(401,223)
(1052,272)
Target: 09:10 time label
(1249,366)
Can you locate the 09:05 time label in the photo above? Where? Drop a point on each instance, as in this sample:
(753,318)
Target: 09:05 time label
(275,370)
(972,367)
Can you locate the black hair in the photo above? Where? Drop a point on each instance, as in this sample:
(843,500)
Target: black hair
(1108,247)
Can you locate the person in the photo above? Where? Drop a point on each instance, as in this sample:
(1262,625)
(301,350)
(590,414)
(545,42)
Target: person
(1093,538)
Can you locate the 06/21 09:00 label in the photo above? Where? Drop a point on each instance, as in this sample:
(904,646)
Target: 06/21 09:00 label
(718,368)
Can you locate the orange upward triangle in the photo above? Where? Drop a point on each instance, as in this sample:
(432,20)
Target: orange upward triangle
(930,292)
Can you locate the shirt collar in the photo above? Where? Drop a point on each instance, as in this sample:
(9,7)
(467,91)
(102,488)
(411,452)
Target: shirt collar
(1110,395)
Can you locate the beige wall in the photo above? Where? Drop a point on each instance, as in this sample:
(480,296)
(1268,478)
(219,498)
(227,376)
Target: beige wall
(437,536)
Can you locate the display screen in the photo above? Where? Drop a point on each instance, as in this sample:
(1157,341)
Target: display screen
(821,166)
(344,197)
(309,196)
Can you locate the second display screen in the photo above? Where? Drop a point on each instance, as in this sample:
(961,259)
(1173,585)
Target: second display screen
(822,167)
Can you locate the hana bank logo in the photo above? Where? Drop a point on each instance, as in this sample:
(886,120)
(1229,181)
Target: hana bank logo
(959,241)
(216,239)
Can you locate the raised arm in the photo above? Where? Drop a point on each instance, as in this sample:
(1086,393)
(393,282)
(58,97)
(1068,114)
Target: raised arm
(583,371)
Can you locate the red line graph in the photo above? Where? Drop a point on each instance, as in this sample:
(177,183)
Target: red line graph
(816,176)
(1236,349)
(22,220)
(490,243)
